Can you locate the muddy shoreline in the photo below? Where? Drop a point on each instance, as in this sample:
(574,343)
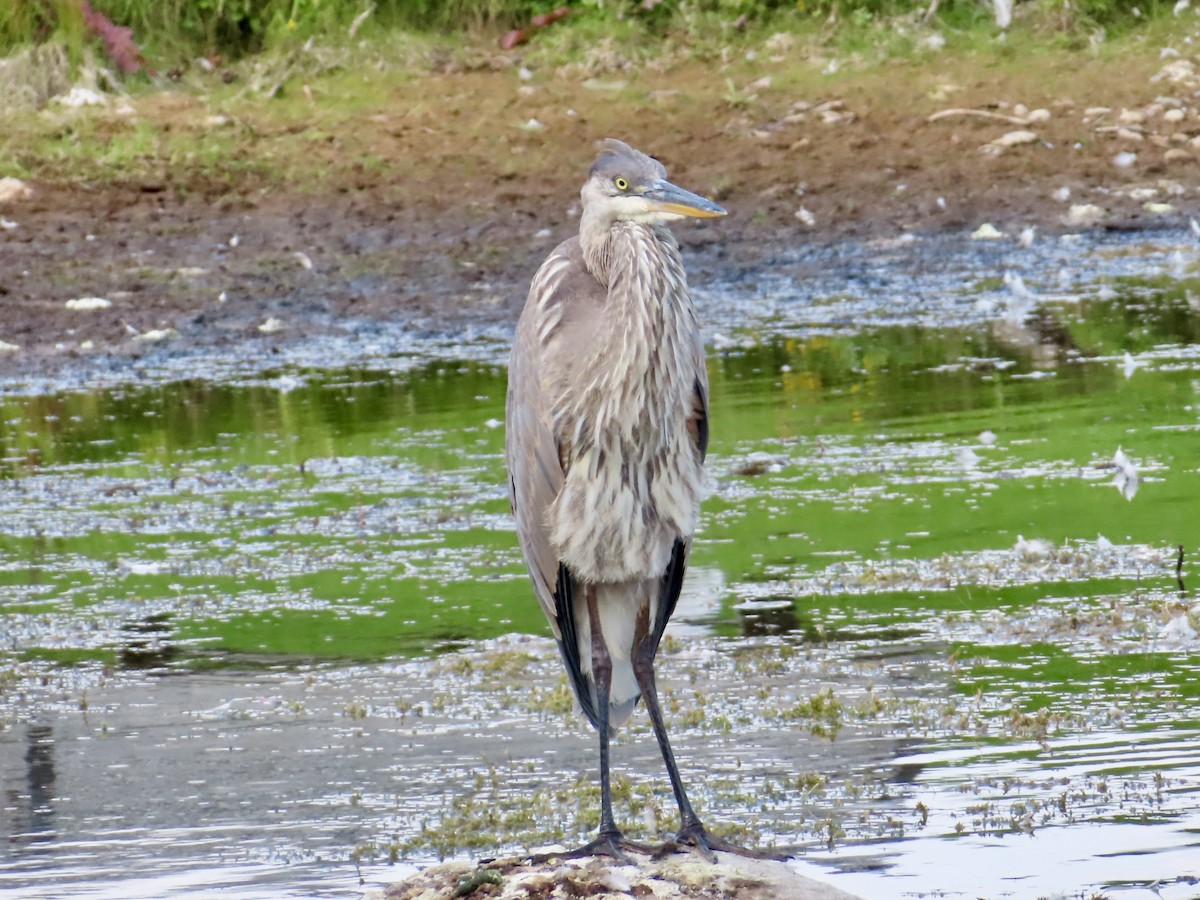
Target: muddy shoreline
(252,264)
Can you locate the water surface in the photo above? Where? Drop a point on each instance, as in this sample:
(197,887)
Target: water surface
(266,630)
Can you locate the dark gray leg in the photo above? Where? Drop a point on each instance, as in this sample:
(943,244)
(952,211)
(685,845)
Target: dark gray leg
(692,831)
(609,841)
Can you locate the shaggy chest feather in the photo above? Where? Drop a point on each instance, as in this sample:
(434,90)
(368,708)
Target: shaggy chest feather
(632,474)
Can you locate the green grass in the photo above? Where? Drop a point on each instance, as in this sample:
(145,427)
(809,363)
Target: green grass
(172,32)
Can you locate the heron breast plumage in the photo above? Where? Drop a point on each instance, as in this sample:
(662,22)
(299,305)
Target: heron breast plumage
(632,474)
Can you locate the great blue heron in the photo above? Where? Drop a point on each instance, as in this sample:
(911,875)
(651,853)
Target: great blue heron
(607,432)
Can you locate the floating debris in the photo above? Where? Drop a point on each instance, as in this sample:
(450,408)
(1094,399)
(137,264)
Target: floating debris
(987,232)
(1179,630)
(1129,365)
(1034,549)
(1126,477)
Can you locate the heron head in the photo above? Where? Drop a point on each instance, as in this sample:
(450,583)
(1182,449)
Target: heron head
(627,185)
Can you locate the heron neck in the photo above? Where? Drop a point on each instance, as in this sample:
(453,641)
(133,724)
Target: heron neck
(614,249)
(648,314)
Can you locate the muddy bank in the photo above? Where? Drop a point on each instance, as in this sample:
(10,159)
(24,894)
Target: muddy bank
(299,237)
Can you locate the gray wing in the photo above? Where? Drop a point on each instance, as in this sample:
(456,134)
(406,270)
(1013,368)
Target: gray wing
(560,312)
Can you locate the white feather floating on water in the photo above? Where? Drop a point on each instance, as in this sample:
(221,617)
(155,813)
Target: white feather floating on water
(1178,630)
(1129,365)
(1126,478)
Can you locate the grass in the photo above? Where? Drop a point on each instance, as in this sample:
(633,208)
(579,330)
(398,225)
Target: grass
(311,108)
(171,32)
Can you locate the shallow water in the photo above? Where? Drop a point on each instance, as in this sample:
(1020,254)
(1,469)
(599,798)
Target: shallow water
(265,629)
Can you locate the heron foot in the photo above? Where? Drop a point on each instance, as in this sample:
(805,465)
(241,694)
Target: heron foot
(612,844)
(697,836)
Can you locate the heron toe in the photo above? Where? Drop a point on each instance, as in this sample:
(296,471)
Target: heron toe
(612,844)
(697,836)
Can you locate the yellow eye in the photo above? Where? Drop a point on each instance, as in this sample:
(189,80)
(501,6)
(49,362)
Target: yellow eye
(622,184)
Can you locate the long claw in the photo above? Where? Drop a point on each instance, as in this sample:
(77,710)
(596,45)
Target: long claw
(611,844)
(696,835)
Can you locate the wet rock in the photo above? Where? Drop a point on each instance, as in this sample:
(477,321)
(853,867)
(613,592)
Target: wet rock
(677,876)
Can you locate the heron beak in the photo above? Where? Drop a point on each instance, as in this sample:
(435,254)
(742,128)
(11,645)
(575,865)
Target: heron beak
(669,198)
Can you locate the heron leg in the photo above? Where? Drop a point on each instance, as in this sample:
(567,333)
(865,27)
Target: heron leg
(692,830)
(609,842)
(602,677)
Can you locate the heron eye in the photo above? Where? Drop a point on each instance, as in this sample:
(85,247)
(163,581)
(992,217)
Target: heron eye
(622,184)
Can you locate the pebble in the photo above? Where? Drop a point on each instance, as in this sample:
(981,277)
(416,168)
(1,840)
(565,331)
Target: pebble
(14,189)
(1124,160)
(89,303)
